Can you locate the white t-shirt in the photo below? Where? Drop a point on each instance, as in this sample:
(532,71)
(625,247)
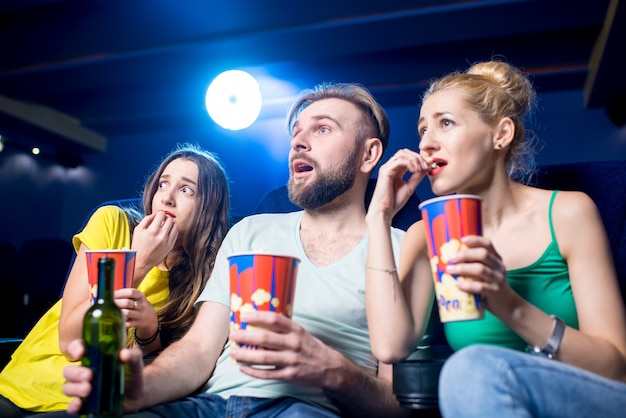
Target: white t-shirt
(329,303)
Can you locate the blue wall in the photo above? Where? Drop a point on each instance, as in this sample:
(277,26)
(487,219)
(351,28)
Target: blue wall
(41,199)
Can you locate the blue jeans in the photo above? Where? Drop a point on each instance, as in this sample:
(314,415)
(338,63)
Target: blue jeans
(206,405)
(488,381)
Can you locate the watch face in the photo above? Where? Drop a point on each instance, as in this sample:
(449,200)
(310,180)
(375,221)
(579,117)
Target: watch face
(538,351)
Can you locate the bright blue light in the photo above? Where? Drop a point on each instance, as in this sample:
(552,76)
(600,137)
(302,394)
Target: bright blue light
(233,100)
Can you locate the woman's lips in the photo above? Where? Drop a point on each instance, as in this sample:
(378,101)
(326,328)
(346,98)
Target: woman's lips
(436,166)
(170,214)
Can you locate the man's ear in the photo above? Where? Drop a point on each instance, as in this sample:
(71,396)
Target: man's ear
(505,131)
(372,153)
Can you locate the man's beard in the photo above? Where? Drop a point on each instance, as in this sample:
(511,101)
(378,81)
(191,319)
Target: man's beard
(326,187)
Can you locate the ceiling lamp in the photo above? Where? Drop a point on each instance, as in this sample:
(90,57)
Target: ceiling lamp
(233,100)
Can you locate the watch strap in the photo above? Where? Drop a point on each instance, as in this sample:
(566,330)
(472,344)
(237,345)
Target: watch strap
(558,329)
(554,341)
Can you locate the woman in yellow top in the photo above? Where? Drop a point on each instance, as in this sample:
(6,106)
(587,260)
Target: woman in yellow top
(186,205)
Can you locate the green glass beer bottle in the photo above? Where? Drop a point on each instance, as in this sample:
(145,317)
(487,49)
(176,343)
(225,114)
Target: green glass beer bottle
(104,333)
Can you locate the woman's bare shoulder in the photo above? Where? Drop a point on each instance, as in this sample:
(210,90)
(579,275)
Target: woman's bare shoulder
(568,204)
(572,205)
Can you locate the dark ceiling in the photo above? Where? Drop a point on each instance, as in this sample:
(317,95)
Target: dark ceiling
(89,70)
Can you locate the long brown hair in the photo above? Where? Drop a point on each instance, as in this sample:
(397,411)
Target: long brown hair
(191,264)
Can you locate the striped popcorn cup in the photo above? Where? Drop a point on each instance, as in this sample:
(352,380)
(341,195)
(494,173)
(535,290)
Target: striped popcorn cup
(447,219)
(261,282)
(124,268)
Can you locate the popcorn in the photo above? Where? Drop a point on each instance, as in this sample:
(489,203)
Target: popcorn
(246,307)
(235,302)
(454,303)
(261,296)
(449,249)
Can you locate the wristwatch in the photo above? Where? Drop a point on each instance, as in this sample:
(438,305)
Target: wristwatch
(549,350)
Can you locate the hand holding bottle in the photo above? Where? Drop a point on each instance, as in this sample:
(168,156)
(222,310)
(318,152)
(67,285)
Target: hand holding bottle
(78,382)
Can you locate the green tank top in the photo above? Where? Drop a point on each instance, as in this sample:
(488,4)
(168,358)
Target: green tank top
(545,283)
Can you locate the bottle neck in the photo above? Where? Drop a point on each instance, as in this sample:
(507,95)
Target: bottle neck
(106,279)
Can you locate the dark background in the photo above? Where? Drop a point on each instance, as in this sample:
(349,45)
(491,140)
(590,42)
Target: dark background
(75,75)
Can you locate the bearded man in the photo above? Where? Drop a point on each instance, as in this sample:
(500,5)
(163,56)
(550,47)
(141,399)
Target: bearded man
(321,361)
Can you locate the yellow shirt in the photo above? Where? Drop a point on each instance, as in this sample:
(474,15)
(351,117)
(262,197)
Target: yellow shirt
(33,379)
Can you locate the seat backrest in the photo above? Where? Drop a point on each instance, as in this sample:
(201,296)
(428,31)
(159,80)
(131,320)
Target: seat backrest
(277,201)
(605,183)
(9,294)
(8,261)
(41,267)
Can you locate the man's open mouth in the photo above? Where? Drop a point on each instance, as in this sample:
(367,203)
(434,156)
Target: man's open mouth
(301,168)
